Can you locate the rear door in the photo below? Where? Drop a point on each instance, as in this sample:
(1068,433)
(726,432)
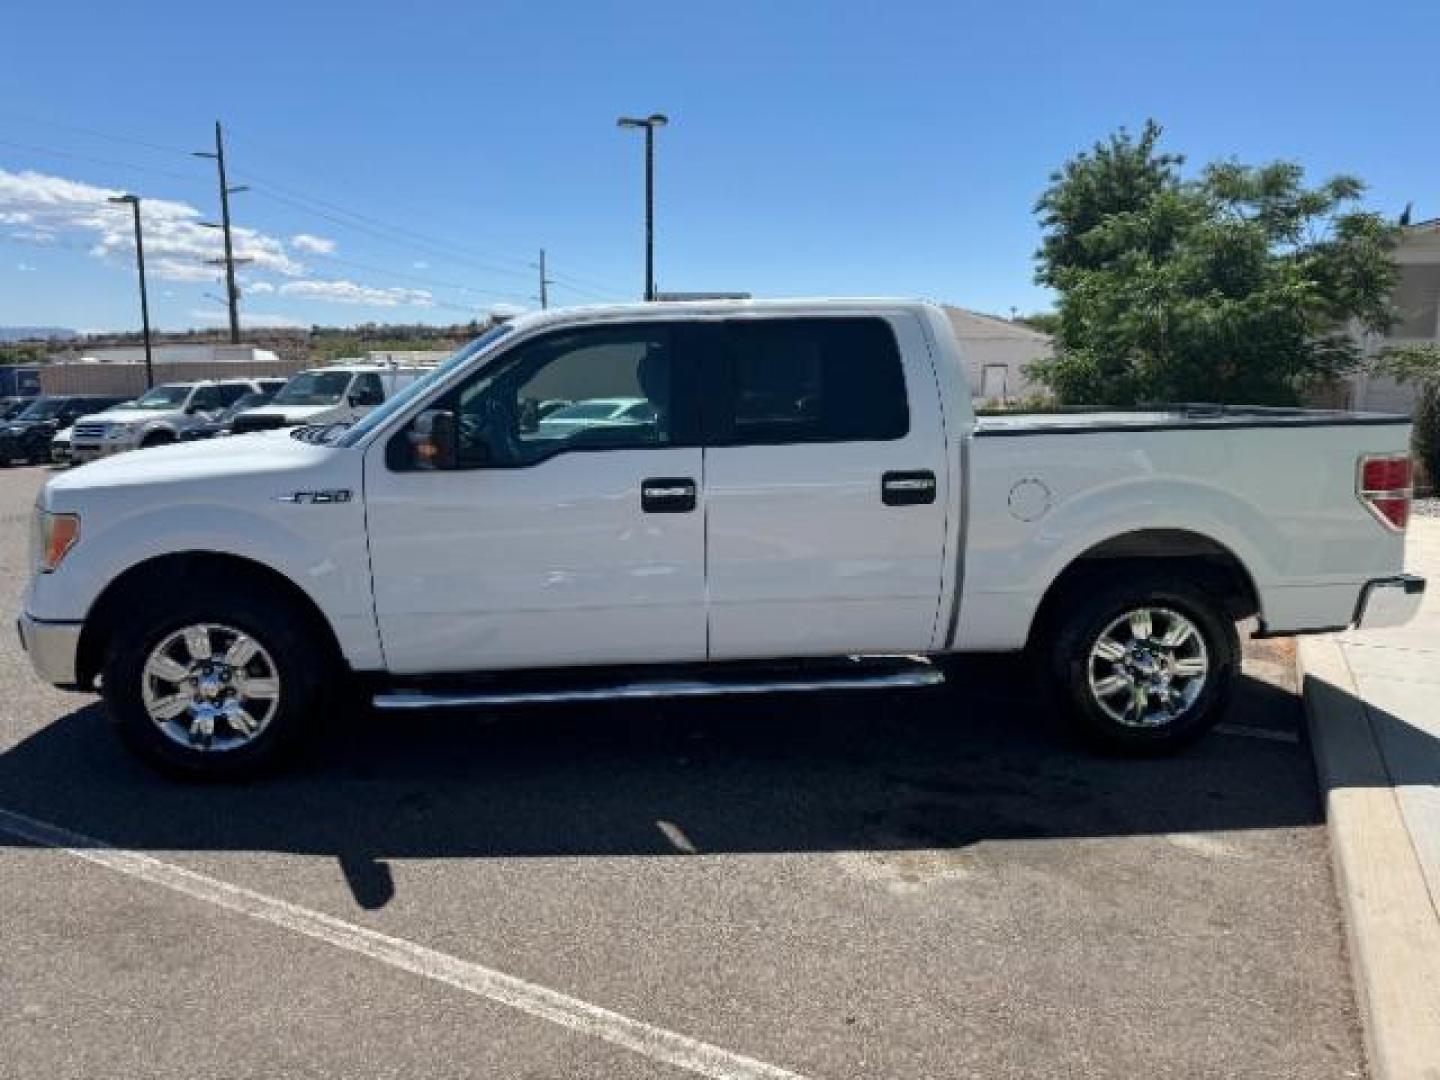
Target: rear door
(825,487)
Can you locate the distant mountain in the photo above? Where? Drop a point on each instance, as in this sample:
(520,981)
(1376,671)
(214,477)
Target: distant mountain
(35,333)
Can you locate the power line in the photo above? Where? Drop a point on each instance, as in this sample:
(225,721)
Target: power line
(265,188)
(391,233)
(111,136)
(418,279)
(107,162)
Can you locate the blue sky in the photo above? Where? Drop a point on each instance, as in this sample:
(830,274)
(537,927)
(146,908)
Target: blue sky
(427,150)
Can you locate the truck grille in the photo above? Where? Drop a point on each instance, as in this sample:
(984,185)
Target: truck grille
(89,431)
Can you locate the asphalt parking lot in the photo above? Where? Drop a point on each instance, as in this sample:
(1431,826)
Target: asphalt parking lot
(919,884)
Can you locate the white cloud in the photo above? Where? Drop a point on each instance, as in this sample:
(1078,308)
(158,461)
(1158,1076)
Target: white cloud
(315,245)
(420,264)
(348,292)
(24,268)
(258,319)
(255,288)
(176,244)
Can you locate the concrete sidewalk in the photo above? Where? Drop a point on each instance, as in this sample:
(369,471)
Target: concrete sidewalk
(1373,701)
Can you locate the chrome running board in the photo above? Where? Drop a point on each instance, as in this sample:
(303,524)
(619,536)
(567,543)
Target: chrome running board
(919,675)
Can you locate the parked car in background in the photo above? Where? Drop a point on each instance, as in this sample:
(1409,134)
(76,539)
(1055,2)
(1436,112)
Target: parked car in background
(809,486)
(594,413)
(60,446)
(13,406)
(330,395)
(156,417)
(26,436)
(221,425)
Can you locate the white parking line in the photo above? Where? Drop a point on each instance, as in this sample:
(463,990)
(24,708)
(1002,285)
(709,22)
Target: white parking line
(645,1039)
(1248,732)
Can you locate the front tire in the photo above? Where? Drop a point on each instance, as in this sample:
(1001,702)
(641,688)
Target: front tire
(215,685)
(1145,664)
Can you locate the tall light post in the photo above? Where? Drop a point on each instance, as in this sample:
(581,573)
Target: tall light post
(649,123)
(134,203)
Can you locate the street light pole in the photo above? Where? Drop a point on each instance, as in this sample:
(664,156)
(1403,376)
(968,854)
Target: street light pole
(225,192)
(649,123)
(134,203)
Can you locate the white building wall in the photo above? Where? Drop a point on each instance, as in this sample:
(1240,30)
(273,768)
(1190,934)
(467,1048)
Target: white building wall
(996,352)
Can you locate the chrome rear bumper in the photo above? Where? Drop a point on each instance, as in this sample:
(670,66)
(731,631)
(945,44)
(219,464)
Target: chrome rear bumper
(1391,601)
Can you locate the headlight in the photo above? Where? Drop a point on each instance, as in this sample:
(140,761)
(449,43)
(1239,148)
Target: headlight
(57,534)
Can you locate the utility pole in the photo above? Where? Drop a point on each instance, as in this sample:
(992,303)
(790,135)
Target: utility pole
(133,201)
(225,192)
(649,123)
(544,283)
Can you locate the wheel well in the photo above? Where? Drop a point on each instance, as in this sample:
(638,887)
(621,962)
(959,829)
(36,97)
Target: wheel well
(185,570)
(1175,551)
(159,435)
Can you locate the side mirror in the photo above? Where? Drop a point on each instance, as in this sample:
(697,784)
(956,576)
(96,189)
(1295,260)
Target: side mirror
(432,437)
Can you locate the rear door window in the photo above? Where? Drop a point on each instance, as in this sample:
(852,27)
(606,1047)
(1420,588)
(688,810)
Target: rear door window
(777,381)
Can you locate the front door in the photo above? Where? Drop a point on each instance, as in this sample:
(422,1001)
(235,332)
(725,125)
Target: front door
(567,530)
(826,487)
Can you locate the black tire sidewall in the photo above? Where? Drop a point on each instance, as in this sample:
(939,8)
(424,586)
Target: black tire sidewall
(270,622)
(1101,606)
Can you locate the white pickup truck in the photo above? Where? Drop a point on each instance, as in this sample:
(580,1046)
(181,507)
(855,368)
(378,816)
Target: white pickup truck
(807,501)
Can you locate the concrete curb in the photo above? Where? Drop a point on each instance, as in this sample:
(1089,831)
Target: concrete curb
(1391,924)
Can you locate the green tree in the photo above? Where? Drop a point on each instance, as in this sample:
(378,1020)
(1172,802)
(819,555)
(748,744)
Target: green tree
(1236,286)
(1419,366)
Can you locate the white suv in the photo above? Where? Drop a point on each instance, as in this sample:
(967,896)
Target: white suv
(338,394)
(157,416)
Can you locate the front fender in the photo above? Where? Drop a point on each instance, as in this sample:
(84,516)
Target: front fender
(326,559)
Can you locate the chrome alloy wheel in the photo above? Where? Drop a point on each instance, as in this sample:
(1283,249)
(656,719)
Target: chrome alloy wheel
(210,687)
(1148,667)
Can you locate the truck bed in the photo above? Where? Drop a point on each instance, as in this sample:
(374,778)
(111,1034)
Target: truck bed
(1171,417)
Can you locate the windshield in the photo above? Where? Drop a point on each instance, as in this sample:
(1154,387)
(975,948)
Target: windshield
(249,401)
(314,388)
(171,396)
(401,401)
(42,409)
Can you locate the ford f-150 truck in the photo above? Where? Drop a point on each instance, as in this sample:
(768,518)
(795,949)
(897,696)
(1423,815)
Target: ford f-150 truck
(806,500)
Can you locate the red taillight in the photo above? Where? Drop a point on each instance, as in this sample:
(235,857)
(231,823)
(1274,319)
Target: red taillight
(1383,485)
(1385,474)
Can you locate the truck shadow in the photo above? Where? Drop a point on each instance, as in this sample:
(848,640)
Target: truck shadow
(939,769)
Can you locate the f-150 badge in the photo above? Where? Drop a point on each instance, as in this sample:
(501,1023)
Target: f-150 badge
(335,495)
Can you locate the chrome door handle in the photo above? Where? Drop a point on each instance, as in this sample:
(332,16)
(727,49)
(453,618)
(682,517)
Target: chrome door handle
(915,488)
(667,495)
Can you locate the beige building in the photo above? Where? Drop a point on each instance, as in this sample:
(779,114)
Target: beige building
(1417,303)
(121,370)
(996,352)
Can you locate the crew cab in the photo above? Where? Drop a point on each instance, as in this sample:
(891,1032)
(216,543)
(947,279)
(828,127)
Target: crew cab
(808,500)
(336,394)
(158,416)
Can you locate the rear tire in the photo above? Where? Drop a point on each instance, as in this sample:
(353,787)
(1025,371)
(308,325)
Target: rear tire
(1144,664)
(221,684)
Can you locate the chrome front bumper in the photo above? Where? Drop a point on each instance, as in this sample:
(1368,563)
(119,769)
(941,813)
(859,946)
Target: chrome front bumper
(52,647)
(1391,601)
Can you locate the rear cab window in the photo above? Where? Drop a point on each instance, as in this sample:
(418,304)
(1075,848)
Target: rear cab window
(805,380)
